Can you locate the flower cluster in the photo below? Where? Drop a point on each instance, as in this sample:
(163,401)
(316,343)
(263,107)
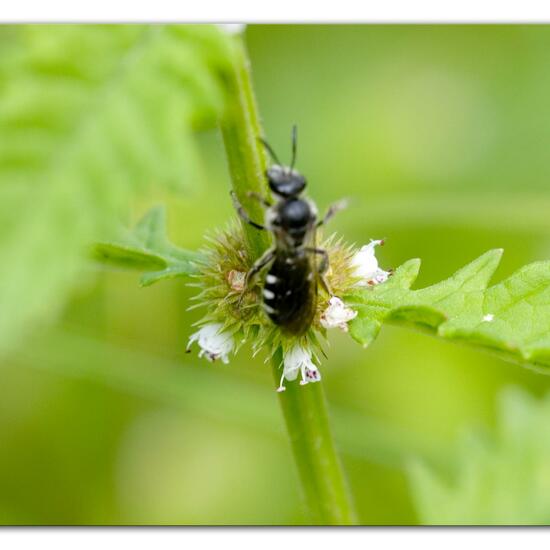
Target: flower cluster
(234,313)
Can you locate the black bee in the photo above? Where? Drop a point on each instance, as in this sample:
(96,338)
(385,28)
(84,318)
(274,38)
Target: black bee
(290,286)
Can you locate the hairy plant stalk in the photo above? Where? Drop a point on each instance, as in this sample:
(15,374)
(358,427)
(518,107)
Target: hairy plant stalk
(304,408)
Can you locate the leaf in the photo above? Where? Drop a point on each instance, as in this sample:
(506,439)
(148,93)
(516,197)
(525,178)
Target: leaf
(511,318)
(91,117)
(147,248)
(501,478)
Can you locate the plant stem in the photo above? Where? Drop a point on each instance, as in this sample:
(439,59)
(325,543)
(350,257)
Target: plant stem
(304,407)
(247,161)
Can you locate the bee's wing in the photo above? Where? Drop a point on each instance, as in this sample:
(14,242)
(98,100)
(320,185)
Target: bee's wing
(309,285)
(314,263)
(313,245)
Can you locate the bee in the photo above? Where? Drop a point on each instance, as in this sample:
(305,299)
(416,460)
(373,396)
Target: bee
(295,265)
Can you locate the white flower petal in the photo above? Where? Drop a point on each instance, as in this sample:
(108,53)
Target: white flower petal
(298,360)
(214,343)
(337,314)
(366,265)
(293,360)
(310,374)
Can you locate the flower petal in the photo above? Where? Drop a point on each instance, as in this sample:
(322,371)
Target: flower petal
(298,360)
(366,265)
(213,341)
(310,374)
(337,314)
(293,361)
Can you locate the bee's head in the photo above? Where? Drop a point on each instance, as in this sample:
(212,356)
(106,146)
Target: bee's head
(285,182)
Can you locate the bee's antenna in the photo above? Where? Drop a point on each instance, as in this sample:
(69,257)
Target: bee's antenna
(270,150)
(294,145)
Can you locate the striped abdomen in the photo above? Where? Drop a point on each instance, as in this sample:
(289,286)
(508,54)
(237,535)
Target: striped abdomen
(290,293)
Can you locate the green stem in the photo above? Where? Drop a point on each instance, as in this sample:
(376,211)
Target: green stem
(304,408)
(247,161)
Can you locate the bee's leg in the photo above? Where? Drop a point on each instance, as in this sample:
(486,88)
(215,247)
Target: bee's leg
(262,200)
(323,267)
(242,212)
(333,209)
(260,263)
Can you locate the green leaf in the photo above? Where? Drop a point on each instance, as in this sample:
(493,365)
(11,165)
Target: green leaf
(91,117)
(511,318)
(501,478)
(147,248)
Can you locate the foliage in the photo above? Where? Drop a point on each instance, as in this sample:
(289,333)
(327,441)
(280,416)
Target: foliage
(511,318)
(148,249)
(500,479)
(427,138)
(91,117)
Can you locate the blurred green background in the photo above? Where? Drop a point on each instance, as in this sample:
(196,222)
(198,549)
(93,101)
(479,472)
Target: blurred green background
(439,135)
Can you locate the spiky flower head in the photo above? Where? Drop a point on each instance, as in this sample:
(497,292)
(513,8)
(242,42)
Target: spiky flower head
(233,305)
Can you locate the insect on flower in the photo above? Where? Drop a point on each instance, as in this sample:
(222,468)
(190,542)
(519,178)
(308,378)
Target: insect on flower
(295,265)
(298,298)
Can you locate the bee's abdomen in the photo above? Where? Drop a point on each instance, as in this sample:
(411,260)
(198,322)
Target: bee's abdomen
(289,294)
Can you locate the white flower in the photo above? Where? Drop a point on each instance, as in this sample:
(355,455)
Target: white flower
(337,314)
(488,318)
(214,343)
(366,266)
(298,359)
